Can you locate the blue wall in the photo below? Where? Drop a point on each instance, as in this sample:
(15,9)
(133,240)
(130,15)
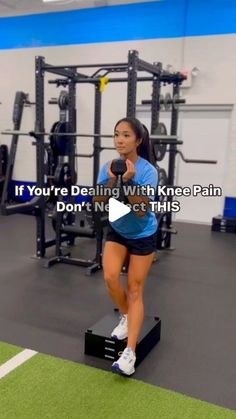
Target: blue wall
(161,19)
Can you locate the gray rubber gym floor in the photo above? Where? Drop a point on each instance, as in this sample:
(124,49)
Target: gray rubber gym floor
(192,289)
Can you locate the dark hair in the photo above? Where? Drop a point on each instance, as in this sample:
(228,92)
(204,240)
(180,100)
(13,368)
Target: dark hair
(141,132)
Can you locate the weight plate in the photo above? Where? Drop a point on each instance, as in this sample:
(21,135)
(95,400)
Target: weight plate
(162,181)
(52,138)
(61,144)
(162,234)
(3,159)
(162,177)
(162,103)
(159,150)
(63,100)
(176,102)
(65,219)
(62,176)
(168,101)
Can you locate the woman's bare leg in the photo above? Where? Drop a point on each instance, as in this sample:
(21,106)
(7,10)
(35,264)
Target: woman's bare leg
(114,256)
(139,267)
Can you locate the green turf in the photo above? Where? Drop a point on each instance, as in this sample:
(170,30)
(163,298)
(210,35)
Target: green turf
(51,388)
(7,351)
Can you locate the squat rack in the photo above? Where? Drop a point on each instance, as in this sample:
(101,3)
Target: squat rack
(71,77)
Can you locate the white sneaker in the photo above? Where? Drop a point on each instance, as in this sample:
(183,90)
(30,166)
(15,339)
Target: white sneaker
(125,364)
(121,331)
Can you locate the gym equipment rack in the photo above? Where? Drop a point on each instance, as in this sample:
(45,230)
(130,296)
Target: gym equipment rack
(70,77)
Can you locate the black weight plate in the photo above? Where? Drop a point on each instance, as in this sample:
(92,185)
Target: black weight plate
(62,176)
(61,144)
(159,150)
(65,219)
(3,159)
(162,235)
(52,138)
(51,162)
(162,181)
(162,103)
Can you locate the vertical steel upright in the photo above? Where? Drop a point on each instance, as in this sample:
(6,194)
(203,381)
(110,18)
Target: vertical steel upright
(20,100)
(155,104)
(97,130)
(72,123)
(39,127)
(72,127)
(96,165)
(172,155)
(132,83)
(173,131)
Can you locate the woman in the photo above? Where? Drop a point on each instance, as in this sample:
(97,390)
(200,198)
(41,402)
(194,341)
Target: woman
(133,235)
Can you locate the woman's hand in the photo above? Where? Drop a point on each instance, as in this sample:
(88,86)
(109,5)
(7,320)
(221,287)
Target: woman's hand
(130,172)
(110,173)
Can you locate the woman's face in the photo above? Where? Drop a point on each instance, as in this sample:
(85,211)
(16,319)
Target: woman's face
(125,139)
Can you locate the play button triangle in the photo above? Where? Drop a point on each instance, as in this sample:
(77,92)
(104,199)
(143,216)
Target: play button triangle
(117,209)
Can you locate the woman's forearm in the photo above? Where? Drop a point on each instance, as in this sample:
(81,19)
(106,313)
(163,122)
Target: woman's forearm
(104,198)
(139,199)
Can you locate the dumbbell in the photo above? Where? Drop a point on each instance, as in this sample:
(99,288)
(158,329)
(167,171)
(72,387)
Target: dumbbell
(118,168)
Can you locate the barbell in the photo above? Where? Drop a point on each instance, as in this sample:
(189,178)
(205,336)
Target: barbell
(156,139)
(62,101)
(167,101)
(165,139)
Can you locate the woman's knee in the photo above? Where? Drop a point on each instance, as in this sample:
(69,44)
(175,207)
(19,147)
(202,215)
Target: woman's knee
(135,291)
(112,279)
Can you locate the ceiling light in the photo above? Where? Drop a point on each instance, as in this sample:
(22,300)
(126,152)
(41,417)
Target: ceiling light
(58,1)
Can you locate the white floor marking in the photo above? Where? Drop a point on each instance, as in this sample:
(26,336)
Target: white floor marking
(16,361)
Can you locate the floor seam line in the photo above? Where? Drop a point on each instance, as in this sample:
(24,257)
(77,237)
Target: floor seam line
(16,361)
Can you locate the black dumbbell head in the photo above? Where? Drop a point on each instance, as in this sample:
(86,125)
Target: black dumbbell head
(118,167)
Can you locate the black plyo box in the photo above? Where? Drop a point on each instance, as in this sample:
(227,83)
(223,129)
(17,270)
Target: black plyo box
(229,221)
(98,341)
(223,229)
(224,224)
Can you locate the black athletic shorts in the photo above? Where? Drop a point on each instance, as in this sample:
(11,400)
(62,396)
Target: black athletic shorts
(142,246)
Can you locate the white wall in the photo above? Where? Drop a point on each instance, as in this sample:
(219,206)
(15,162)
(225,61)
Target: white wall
(216,59)
(204,131)
(213,55)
